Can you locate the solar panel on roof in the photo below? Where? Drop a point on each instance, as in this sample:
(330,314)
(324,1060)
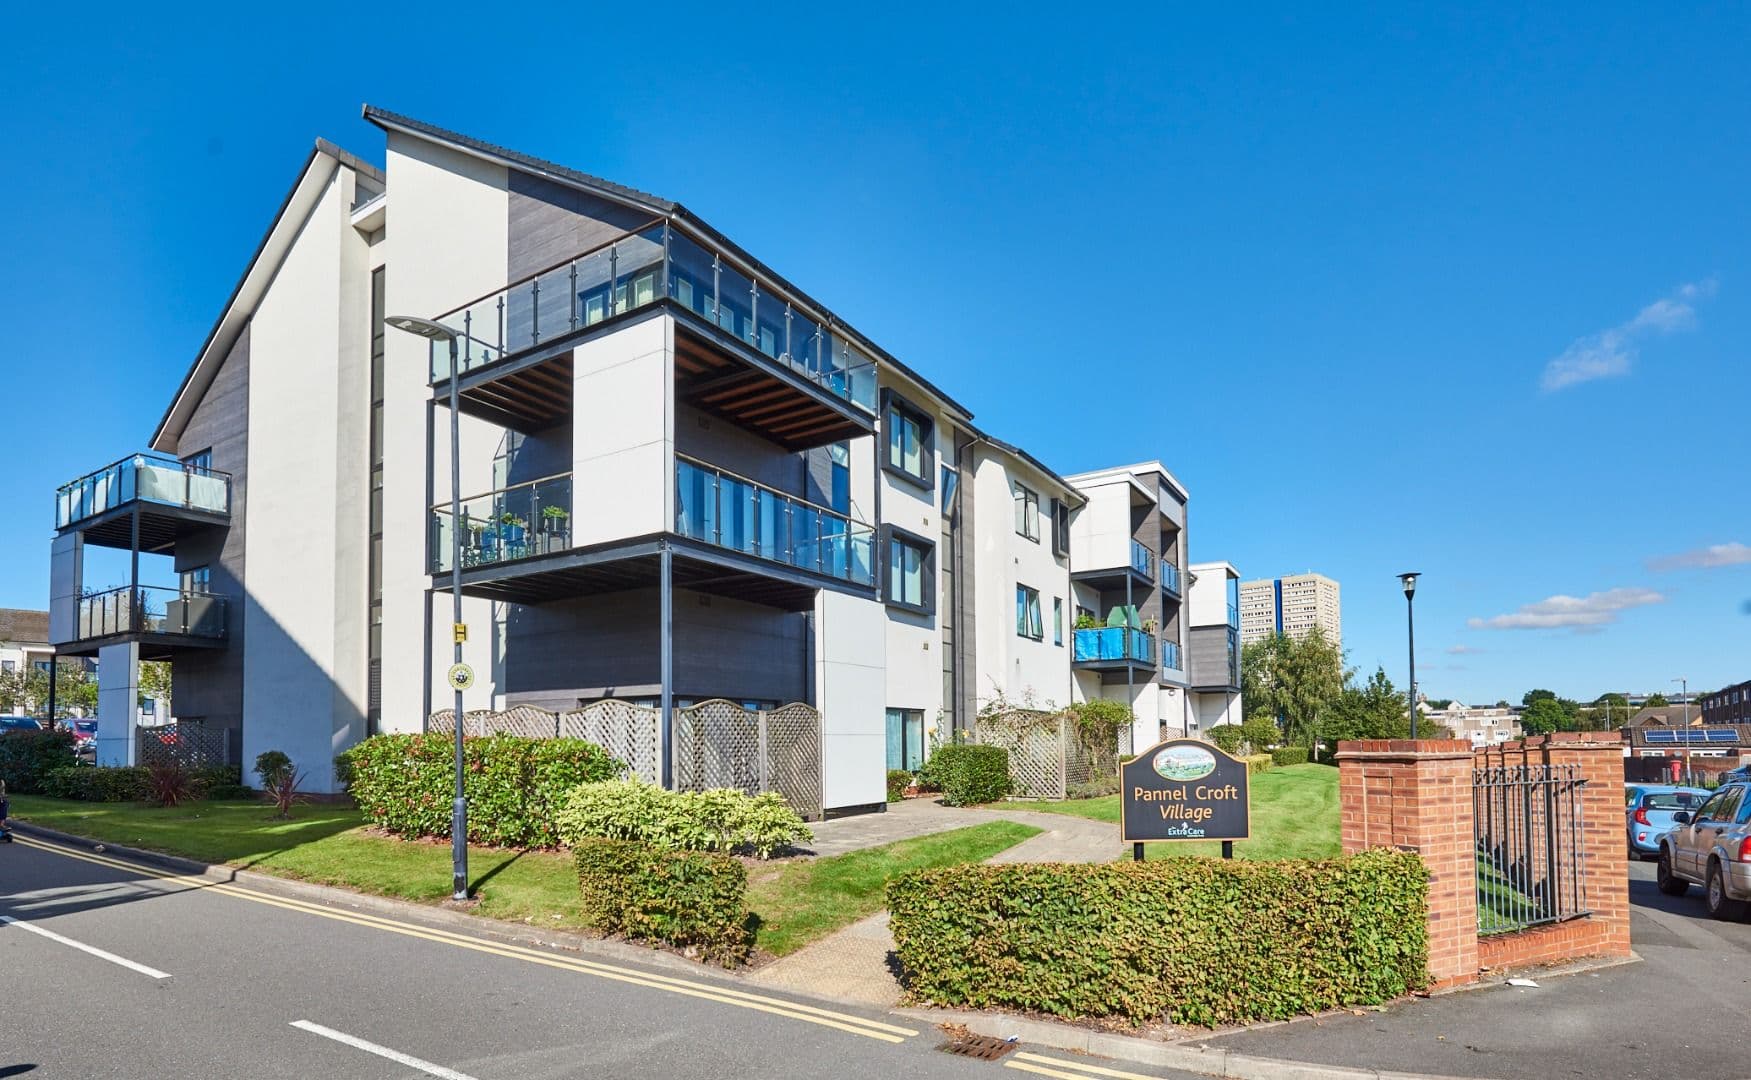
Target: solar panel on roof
(1660,736)
(1720,735)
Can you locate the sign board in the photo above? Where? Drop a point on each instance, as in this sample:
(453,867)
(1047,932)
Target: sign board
(461,676)
(461,632)
(1184,789)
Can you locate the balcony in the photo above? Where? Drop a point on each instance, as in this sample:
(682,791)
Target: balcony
(748,337)
(169,494)
(1112,647)
(1234,616)
(1170,579)
(518,522)
(158,618)
(1171,658)
(739,515)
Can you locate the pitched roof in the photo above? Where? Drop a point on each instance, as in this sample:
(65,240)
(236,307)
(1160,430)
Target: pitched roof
(23,626)
(1664,716)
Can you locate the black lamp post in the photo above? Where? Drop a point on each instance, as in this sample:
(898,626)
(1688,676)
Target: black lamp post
(1409,580)
(435,331)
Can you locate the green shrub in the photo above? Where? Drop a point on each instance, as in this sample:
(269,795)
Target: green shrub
(1261,733)
(272,767)
(230,792)
(207,778)
(1257,763)
(515,786)
(27,757)
(89,783)
(898,781)
(1227,737)
(1195,941)
(169,784)
(969,774)
(691,900)
(723,819)
(1289,755)
(1096,788)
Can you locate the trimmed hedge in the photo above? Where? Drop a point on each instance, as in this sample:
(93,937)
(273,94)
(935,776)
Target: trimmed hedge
(1257,763)
(721,819)
(898,781)
(27,758)
(694,901)
(1289,755)
(515,786)
(1227,737)
(970,774)
(1195,941)
(87,783)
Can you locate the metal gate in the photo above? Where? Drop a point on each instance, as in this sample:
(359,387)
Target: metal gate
(1527,823)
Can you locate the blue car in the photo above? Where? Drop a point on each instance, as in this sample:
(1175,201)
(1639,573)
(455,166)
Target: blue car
(1650,813)
(20,723)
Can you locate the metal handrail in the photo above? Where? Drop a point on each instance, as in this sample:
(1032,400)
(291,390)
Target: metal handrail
(156,458)
(444,507)
(798,499)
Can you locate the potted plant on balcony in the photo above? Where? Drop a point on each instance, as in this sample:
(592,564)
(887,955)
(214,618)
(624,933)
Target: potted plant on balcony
(555,528)
(1086,621)
(511,528)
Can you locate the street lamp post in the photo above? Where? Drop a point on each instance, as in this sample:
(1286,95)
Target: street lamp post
(1684,688)
(434,331)
(1409,580)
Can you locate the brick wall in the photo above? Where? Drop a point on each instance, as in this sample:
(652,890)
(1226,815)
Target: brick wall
(1418,796)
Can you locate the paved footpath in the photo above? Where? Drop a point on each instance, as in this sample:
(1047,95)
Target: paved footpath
(856,963)
(114,969)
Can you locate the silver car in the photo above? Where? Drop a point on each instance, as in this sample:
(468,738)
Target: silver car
(1711,847)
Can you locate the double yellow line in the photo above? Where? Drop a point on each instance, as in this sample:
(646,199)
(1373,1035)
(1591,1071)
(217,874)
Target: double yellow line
(1049,1066)
(855,1025)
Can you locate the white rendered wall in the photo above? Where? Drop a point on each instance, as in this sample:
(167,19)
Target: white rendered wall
(1208,600)
(850,680)
(623,427)
(1213,709)
(1100,535)
(118,702)
(66,575)
(913,642)
(446,244)
(304,606)
(1021,669)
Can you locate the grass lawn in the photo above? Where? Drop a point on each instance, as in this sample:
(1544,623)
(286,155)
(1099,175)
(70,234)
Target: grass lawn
(803,900)
(797,901)
(1294,816)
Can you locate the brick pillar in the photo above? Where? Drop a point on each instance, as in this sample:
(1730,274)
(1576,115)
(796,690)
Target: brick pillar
(1416,796)
(1604,862)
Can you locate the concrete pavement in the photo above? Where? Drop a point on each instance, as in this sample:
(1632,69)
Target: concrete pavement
(1678,1013)
(145,973)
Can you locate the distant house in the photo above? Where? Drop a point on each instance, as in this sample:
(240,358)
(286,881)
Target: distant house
(1483,725)
(24,644)
(1665,716)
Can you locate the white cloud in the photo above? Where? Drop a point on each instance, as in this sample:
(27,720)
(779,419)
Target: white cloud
(1571,612)
(1610,353)
(1708,558)
(1463,650)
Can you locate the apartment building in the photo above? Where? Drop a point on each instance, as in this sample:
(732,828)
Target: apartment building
(1729,705)
(684,478)
(1213,645)
(1483,725)
(1290,605)
(24,640)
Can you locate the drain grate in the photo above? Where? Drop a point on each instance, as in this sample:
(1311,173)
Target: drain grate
(983,1047)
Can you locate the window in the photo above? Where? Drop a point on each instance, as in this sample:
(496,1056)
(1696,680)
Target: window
(910,451)
(8,665)
(906,739)
(1027,513)
(1060,527)
(951,484)
(1027,613)
(1057,620)
(839,498)
(199,461)
(1715,809)
(197,579)
(910,581)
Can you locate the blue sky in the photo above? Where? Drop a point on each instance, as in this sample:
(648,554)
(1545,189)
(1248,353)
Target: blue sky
(1391,289)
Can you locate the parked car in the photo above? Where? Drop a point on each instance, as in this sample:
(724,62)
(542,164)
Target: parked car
(20,723)
(84,736)
(1651,811)
(1711,846)
(1741,775)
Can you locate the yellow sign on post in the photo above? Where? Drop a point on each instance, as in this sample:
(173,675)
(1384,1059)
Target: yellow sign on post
(461,630)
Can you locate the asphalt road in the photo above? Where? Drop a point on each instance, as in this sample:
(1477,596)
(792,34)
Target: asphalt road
(193,979)
(1682,1012)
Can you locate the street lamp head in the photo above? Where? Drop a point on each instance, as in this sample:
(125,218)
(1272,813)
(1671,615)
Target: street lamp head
(1409,579)
(425,328)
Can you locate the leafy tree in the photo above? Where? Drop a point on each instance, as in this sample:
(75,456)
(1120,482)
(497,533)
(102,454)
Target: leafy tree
(27,690)
(1537,695)
(1375,710)
(1262,732)
(155,679)
(1300,680)
(1543,716)
(1438,703)
(1658,701)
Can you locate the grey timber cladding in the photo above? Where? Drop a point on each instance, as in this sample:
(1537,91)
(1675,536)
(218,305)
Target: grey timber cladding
(607,645)
(207,684)
(549,223)
(1207,656)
